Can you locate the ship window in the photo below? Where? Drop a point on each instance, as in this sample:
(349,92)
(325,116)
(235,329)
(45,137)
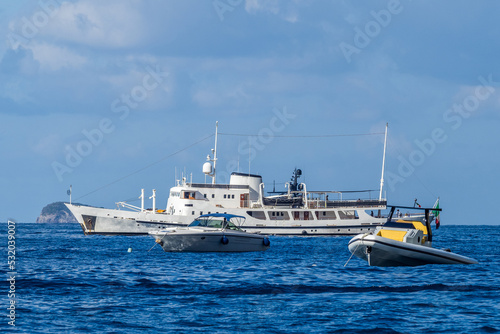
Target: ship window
(205,195)
(280,215)
(232,196)
(348,214)
(201,213)
(213,195)
(224,195)
(257,214)
(325,215)
(192,212)
(189,195)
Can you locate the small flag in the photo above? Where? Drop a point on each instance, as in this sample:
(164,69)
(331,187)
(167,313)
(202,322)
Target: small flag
(436,214)
(416,203)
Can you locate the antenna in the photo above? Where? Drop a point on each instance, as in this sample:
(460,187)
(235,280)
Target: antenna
(70,191)
(383,163)
(215,150)
(249,160)
(238,155)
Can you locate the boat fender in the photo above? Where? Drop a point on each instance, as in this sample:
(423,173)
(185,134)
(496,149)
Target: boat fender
(266,242)
(224,240)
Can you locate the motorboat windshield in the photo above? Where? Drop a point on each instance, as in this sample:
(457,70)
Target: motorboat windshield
(205,222)
(221,221)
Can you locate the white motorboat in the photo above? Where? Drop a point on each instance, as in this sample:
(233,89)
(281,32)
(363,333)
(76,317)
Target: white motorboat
(403,243)
(211,233)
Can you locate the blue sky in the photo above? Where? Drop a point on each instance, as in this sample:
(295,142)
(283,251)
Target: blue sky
(101,96)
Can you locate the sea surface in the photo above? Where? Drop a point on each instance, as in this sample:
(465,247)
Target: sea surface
(70,283)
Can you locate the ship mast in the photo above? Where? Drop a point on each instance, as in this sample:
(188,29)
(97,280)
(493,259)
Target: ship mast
(208,169)
(383,164)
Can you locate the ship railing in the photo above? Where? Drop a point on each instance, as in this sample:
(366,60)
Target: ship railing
(218,186)
(360,203)
(315,204)
(333,199)
(322,199)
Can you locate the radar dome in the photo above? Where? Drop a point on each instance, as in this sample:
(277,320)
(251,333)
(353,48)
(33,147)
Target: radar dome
(207,168)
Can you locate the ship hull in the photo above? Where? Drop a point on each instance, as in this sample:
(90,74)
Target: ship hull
(200,241)
(122,222)
(119,222)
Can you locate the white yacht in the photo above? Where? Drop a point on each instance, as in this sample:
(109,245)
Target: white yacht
(297,211)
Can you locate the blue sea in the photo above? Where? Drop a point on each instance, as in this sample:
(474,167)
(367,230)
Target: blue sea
(70,283)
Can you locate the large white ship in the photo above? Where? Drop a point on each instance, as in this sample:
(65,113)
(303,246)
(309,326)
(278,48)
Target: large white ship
(297,211)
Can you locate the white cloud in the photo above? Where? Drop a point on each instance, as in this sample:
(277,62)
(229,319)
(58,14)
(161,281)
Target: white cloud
(48,145)
(254,6)
(287,10)
(54,58)
(209,97)
(477,99)
(109,24)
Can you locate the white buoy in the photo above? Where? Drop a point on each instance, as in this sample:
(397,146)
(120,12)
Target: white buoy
(129,250)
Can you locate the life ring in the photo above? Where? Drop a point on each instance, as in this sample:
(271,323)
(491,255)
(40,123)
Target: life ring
(266,242)
(224,240)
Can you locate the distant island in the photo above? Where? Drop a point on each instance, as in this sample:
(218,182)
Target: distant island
(56,212)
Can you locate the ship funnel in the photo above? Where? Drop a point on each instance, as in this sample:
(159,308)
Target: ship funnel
(252,180)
